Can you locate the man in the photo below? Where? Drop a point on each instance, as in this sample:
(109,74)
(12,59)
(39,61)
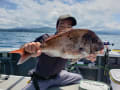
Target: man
(50,70)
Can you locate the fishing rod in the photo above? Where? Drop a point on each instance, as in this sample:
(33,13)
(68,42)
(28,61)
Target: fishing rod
(107,50)
(106,58)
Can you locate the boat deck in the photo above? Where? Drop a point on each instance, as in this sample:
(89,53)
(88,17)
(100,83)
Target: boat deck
(18,82)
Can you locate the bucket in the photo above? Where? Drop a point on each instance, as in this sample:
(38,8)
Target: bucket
(93,85)
(115,78)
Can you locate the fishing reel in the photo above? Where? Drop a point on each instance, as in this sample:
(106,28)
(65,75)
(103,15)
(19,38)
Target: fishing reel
(108,43)
(106,46)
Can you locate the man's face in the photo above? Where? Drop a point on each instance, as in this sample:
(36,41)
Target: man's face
(64,25)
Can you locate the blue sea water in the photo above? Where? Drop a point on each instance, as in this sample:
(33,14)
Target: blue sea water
(16,39)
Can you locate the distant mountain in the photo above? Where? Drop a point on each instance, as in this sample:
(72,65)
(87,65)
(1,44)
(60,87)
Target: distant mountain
(41,30)
(115,32)
(52,30)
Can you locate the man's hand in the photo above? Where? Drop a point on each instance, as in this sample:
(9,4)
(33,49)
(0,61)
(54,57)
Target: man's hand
(33,48)
(92,57)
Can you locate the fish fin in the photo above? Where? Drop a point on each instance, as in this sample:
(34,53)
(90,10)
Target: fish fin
(24,56)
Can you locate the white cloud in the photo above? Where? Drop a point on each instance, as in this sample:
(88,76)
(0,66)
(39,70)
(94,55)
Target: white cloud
(92,14)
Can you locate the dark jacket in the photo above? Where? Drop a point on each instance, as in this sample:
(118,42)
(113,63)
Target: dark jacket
(47,65)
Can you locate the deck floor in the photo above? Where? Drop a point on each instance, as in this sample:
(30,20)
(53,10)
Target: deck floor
(18,82)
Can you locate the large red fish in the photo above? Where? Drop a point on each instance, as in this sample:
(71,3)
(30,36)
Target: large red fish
(74,44)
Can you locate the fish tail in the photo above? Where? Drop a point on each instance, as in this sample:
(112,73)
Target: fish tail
(19,51)
(24,56)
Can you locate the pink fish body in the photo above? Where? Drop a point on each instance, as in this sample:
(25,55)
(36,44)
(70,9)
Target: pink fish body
(73,44)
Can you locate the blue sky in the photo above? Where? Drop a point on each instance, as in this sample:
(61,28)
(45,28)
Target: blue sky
(91,14)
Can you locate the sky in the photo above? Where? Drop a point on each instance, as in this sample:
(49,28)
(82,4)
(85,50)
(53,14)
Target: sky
(90,14)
